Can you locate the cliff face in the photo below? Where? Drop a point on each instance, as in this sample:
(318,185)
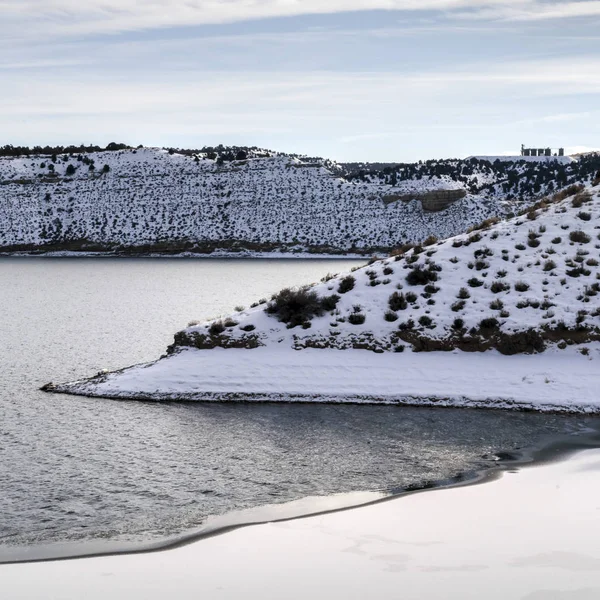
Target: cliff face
(150,200)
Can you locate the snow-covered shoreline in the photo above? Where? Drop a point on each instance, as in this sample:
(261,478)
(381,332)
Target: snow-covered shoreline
(540,528)
(189,255)
(562,381)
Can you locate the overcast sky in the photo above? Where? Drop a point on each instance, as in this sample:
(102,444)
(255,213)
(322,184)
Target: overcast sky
(373,80)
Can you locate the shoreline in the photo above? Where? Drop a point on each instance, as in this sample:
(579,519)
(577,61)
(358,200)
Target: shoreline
(554,381)
(191,255)
(555,448)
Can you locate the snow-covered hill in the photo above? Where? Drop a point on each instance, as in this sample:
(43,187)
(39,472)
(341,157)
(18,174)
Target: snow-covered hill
(505,315)
(150,200)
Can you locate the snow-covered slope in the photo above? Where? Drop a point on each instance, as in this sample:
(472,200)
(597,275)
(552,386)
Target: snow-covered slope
(151,200)
(505,315)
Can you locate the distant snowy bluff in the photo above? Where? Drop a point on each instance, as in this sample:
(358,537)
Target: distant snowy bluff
(152,201)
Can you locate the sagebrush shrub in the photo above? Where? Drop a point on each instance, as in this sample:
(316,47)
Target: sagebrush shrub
(296,306)
(579,237)
(397,301)
(346,284)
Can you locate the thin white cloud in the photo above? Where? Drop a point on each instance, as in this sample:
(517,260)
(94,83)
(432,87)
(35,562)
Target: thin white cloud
(65,17)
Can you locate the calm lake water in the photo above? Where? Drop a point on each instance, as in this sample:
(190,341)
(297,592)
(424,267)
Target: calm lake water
(79,469)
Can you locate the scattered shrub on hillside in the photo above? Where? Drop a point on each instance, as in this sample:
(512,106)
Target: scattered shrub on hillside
(474,282)
(566,192)
(463,294)
(521,286)
(501,274)
(580,237)
(346,284)
(388,271)
(249,327)
(426,321)
(557,240)
(296,307)
(356,318)
(458,324)
(430,241)
(458,306)
(549,265)
(497,304)
(584,216)
(488,324)
(390,316)
(533,242)
(406,325)
(499,286)
(229,322)
(330,302)
(328,277)
(411,298)
(484,224)
(397,301)
(520,247)
(216,328)
(420,276)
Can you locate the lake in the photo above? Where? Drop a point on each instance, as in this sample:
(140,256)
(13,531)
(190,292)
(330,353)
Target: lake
(80,470)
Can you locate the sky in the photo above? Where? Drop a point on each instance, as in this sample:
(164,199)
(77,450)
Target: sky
(350,80)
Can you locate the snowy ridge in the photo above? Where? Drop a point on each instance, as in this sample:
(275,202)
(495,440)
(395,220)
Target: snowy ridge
(155,201)
(504,316)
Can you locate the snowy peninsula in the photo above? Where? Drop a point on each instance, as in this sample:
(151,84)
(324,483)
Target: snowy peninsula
(505,315)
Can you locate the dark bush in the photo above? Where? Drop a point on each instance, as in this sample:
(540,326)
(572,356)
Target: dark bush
(463,294)
(489,324)
(474,282)
(248,328)
(420,276)
(390,316)
(584,216)
(346,284)
(411,297)
(216,328)
(426,321)
(499,286)
(295,307)
(579,236)
(356,318)
(330,302)
(397,301)
(521,286)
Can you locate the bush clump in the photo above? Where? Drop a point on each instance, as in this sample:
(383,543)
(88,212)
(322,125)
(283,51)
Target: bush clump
(397,301)
(346,284)
(420,276)
(297,306)
(521,286)
(580,237)
(499,286)
(474,282)
(216,328)
(356,318)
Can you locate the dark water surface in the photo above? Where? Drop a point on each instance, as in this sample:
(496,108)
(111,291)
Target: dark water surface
(79,469)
